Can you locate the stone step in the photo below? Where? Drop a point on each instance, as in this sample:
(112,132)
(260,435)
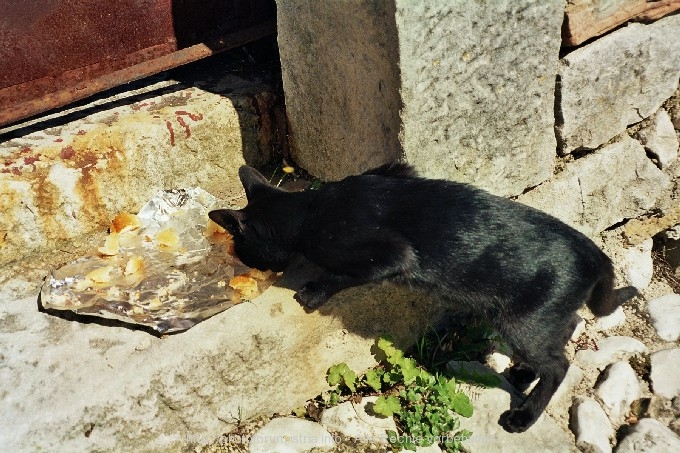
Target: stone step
(66,177)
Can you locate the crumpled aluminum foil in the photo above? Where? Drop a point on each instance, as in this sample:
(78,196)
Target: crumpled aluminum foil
(175,289)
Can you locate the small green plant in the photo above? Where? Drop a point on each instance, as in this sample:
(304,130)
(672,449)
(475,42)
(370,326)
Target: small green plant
(425,406)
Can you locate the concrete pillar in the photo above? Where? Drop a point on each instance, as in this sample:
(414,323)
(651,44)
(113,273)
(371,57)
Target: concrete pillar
(462,89)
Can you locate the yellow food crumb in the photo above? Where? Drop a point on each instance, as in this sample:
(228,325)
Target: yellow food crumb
(100,275)
(134,264)
(167,239)
(111,245)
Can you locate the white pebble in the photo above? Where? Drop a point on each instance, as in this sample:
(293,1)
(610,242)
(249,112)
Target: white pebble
(650,436)
(664,374)
(591,426)
(665,314)
(618,390)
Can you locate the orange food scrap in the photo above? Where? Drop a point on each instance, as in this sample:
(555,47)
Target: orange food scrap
(125,222)
(260,275)
(245,285)
(211,228)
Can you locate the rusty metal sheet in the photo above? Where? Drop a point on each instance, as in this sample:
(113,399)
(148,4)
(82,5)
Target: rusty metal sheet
(53,52)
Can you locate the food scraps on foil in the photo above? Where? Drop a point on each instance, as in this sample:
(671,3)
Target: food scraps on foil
(168,267)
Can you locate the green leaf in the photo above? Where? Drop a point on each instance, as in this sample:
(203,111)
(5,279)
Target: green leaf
(409,369)
(392,436)
(373,378)
(412,395)
(392,353)
(341,374)
(333,398)
(391,378)
(464,435)
(334,373)
(387,406)
(447,386)
(461,404)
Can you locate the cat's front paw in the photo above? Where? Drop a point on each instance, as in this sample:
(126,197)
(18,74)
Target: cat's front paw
(516,420)
(311,295)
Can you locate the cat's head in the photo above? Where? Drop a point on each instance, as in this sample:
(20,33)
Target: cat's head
(264,231)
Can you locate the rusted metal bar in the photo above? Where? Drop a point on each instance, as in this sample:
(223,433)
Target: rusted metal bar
(115,43)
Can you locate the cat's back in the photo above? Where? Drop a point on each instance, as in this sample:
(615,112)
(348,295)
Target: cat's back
(438,214)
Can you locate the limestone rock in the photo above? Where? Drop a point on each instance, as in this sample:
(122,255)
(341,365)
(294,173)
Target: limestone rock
(573,378)
(352,420)
(609,322)
(431,79)
(660,139)
(591,426)
(498,362)
(290,435)
(665,314)
(341,81)
(639,265)
(618,390)
(649,436)
(639,230)
(664,375)
(610,350)
(601,189)
(603,89)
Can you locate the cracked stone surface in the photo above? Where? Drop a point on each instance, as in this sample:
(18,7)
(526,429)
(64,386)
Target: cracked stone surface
(618,80)
(660,139)
(601,189)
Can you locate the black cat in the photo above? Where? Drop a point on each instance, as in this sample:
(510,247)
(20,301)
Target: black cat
(521,269)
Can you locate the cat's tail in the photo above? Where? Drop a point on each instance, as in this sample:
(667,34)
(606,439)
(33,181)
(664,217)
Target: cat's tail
(604,299)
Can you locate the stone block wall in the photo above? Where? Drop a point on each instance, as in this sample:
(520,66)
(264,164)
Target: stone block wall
(504,95)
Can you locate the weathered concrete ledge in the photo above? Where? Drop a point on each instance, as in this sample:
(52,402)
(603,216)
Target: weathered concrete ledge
(70,178)
(107,388)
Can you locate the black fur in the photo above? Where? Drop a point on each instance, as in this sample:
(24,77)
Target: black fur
(520,268)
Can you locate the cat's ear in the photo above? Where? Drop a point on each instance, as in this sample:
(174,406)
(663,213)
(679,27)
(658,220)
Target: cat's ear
(229,219)
(255,184)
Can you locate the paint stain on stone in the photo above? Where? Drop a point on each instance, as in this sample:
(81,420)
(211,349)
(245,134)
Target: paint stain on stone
(193,116)
(67,152)
(168,124)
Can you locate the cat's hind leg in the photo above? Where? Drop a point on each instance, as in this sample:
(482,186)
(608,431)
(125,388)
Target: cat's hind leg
(540,343)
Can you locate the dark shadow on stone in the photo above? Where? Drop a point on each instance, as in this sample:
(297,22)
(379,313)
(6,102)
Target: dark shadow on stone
(375,309)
